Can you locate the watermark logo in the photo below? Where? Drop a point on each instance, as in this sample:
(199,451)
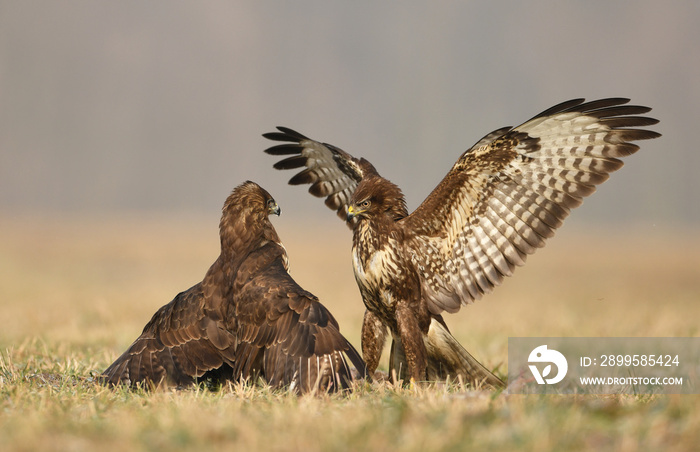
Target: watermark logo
(604,365)
(543,355)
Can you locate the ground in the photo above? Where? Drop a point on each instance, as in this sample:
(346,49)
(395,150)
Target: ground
(74,293)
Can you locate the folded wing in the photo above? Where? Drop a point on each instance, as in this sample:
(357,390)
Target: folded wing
(288,337)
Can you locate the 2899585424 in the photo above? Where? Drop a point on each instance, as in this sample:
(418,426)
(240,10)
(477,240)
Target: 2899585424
(639,360)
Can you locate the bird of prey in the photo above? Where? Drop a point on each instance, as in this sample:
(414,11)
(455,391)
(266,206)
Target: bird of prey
(247,319)
(502,199)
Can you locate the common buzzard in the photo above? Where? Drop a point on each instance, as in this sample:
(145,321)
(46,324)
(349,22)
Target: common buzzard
(500,202)
(248,318)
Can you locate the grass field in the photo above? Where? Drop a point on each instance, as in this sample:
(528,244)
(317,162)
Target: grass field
(75,293)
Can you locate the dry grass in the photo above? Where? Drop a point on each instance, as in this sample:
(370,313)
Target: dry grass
(75,293)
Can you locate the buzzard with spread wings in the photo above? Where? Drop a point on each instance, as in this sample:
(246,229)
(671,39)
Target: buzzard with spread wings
(247,319)
(500,202)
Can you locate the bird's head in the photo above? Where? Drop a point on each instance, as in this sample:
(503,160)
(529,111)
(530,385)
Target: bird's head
(374,197)
(249,199)
(244,221)
(272,207)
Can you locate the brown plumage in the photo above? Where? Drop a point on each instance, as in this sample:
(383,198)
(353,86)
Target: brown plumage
(500,201)
(248,318)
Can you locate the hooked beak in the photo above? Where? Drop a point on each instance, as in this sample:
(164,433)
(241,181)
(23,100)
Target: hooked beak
(351,214)
(275,209)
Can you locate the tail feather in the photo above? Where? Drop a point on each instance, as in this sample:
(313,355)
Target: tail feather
(446,358)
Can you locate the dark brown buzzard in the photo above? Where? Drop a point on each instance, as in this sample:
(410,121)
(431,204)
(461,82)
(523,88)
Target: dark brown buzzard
(499,203)
(247,319)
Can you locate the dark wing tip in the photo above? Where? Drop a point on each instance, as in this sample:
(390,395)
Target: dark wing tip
(304,177)
(636,134)
(581,105)
(561,107)
(285,134)
(284,149)
(628,121)
(292,132)
(601,103)
(277,136)
(295,161)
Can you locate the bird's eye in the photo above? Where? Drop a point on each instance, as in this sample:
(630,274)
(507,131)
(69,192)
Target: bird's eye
(365,203)
(270,202)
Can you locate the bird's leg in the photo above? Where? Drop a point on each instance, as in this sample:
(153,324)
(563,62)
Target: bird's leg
(412,340)
(373,337)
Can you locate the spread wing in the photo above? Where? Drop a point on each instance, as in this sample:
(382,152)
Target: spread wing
(510,192)
(181,342)
(288,337)
(332,172)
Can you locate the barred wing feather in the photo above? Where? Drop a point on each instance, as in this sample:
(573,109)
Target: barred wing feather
(332,173)
(509,193)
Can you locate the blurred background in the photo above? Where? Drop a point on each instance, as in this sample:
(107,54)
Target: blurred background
(159,106)
(124,126)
